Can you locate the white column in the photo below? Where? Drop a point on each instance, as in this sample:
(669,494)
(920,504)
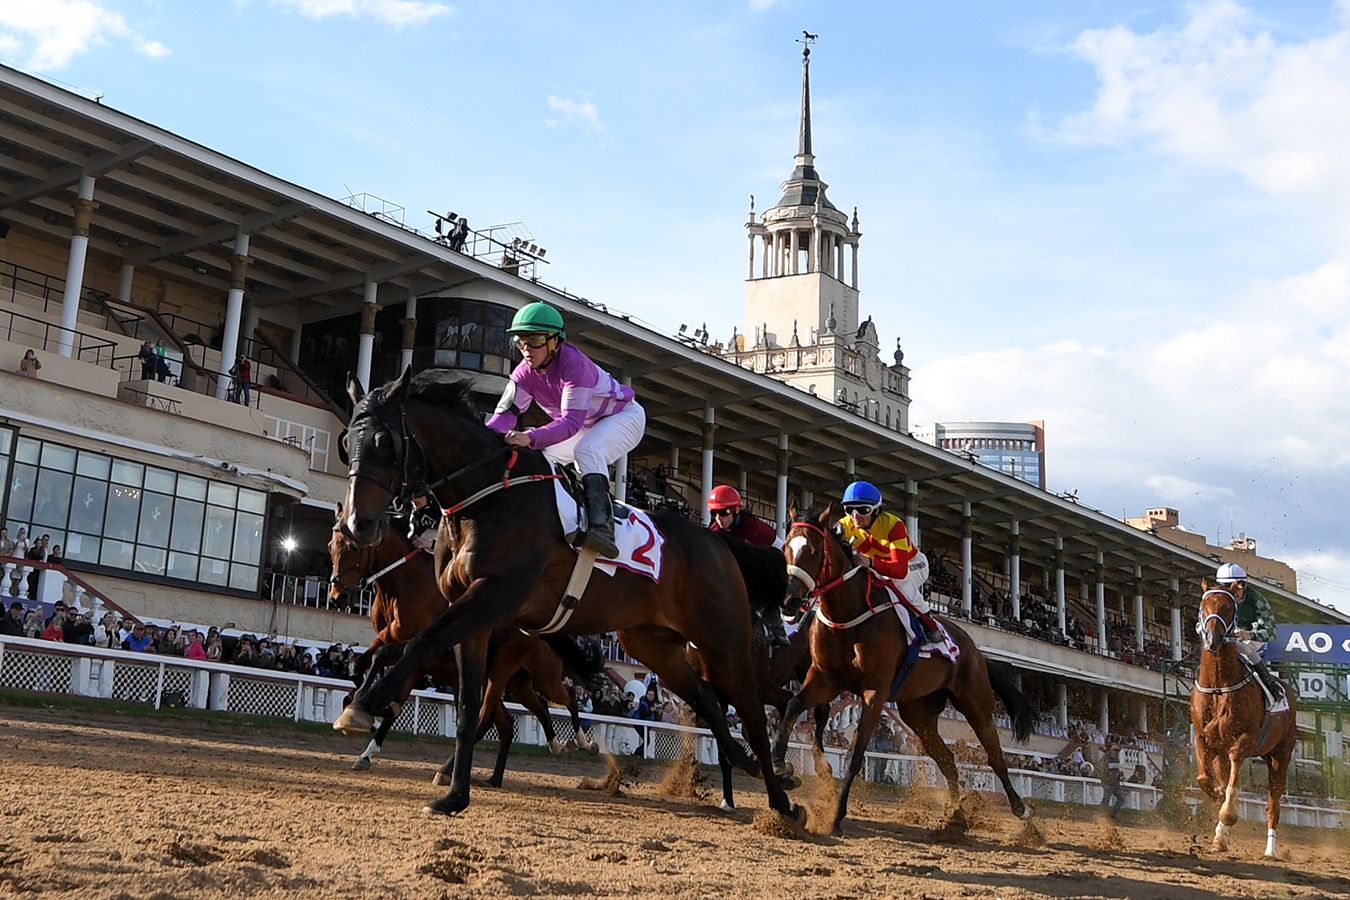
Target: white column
(1015,570)
(365,348)
(709,431)
(793,248)
(1139,608)
(743,481)
(782,482)
(966,561)
(912,510)
(1059,583)
(1101,603)
(850,468)
(813,254)
(1174,598)
(750,273)
(409,332)
(234,308)
(1103,710)
(249,326)
(839,257)
(674,459)
(855,266)
(125,276)
(1062,704)
(1143,716)
(620,465)
(766,257)
(79,249)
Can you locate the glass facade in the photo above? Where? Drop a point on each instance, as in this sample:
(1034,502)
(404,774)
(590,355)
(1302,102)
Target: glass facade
(119,514)
(452,332)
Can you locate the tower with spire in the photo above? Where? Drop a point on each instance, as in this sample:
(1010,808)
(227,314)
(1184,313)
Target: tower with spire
(802,296)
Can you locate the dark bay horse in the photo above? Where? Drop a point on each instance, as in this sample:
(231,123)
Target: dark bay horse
(863,653)
(511,564)
(406,601)
(1228,714)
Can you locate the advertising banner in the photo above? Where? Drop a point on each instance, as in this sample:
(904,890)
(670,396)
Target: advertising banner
(1312,644)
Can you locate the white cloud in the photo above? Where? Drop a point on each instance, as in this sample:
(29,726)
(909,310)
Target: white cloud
(1176,491)
(580,112)
(761,5)
(394,13)
(45,35)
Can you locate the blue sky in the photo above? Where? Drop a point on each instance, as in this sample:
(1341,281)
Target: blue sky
(1127,220)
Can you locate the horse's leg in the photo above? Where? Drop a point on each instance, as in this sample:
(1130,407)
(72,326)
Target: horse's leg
(489,602)
(1226,769)
(817,689)
(728,800)
(506,735)
(978,711)
(522,688)
(1278,764)
(664,653)
(744,694)
(472,657)
(822,717)
(873,701)
(921,715)
(1203,769)
(375,746)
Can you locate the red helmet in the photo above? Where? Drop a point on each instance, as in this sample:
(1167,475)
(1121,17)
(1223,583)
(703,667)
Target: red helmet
(724,496)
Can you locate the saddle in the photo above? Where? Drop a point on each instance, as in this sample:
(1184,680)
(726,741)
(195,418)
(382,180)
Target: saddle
(570,482)
(1273,691)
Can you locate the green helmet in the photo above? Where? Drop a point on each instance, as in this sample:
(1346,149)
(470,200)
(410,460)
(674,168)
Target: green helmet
(537,318)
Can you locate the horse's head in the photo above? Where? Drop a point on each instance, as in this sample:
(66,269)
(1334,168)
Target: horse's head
(808,551)
(1218,616)
(376,448)
(349,564)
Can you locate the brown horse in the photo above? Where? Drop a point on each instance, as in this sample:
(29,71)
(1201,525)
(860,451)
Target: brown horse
(1228,714)
(860,649)
(406,601)
(512,563)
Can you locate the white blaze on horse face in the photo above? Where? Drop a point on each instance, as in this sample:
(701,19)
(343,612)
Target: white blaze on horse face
(797,545)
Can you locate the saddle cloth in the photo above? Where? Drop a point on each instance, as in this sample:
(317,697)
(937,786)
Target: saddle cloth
(640,542)
(947,648)
(1272,705)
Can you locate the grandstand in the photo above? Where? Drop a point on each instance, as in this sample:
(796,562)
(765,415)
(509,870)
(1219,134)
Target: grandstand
(174,503)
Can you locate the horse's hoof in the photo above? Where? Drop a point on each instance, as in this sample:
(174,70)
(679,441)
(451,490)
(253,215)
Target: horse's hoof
(361,764)
(789,782)
(353,720)
(440,778)
(1025,815)
(786,770)
(798,814)
(590,746)
(555,747)
(494,782)
(446,806)
(724,806)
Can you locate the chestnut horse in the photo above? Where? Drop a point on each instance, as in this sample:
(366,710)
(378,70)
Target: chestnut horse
(1228,715)
(511,565)
(860,649)
(406,601)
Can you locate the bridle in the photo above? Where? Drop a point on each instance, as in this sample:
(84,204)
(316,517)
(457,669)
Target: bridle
(815,591)
(1229,627)
(411,462)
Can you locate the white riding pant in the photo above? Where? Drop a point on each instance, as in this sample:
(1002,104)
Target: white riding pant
(912,584)
(1252,651)
(596,448)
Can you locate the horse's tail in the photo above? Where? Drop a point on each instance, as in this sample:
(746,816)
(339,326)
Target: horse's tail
(763,569)
(1019,707)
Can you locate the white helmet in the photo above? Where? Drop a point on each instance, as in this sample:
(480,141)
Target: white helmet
(1230,573)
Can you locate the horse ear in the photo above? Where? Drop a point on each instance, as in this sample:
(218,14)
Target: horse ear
(827,516)
(793,512)
(1204,584)
(354,389)
(399,385)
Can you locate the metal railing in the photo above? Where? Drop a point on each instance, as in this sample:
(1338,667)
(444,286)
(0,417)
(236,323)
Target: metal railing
(312,591)
(18,328)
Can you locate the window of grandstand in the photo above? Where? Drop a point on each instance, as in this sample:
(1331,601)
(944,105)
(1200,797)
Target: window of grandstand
(452,332)
(119,514)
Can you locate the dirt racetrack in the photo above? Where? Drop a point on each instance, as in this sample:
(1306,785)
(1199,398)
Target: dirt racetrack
(105,804)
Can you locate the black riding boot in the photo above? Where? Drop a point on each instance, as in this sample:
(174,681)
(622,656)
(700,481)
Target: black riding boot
(600,515)
(1270,680)
(773,624)
(931,633)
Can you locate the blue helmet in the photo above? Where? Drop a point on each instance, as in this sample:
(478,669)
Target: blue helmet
(863,495)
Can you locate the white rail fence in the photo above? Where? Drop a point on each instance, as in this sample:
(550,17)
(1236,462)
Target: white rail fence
(47,667)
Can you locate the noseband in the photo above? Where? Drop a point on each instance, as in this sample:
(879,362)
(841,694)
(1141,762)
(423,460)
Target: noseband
(1229,626)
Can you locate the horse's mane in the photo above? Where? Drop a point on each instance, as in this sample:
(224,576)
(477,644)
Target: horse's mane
(445,388)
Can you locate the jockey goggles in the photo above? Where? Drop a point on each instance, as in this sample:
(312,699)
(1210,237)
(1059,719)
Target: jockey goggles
(861,509)
(532,341)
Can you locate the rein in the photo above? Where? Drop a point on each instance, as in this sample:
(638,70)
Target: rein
(506,482)
(815,591)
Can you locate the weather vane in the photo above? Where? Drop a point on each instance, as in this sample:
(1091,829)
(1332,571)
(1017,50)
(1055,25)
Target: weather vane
(806,40)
